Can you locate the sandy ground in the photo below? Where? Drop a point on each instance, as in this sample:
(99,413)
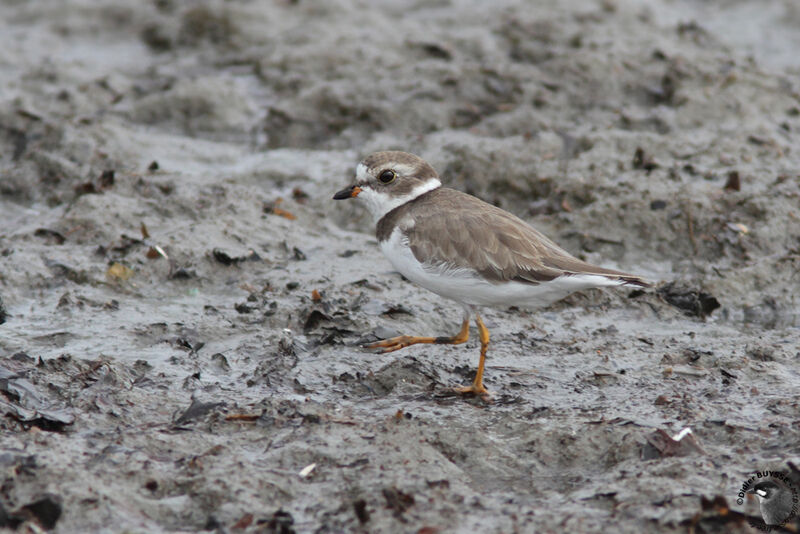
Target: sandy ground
(211,390)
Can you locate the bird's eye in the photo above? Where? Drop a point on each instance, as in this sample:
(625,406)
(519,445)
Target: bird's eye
(387,176)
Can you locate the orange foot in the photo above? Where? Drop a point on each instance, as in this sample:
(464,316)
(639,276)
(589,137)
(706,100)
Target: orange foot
(400,342)
(396,343)
(473,389)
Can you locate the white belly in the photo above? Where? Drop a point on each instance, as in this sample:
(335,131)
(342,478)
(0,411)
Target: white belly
(467,287)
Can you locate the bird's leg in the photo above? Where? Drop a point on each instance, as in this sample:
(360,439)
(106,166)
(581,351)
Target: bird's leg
(477,388)
(400,342)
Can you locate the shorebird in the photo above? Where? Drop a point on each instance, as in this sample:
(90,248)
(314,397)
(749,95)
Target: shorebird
(464,249)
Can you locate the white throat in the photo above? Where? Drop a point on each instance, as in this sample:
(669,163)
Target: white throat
(379,203)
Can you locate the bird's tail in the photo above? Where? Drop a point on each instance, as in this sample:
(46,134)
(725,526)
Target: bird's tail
(633,280)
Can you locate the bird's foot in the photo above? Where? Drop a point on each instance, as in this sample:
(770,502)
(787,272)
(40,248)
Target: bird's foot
(394,343)
(474,389)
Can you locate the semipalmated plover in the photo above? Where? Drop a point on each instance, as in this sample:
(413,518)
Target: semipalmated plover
(464,249)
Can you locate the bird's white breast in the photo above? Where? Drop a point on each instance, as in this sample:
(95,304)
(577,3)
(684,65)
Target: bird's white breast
(468,287)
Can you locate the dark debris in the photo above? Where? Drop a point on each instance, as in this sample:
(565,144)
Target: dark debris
(397,500)
(360,509)
(695,302)
(196,410)
(25,402)
(281,522)
(644,161)
(45,510)
(226,259)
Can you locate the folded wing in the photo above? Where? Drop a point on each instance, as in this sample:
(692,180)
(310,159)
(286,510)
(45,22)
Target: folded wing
(467,233)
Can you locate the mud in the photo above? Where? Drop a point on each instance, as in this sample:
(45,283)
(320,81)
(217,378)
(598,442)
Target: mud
(182,303)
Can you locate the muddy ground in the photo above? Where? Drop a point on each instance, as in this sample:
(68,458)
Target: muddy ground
(209,376)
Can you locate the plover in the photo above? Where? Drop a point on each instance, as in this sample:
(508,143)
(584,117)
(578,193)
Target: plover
(464,249)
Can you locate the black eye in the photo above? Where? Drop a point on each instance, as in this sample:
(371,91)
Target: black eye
(387,176)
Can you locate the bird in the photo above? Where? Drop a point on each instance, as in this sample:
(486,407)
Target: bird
(774,500)
(464,249)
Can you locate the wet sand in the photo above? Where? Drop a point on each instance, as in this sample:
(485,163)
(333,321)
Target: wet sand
(209,375)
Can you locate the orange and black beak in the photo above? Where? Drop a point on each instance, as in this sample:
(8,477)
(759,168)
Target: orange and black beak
(349,192)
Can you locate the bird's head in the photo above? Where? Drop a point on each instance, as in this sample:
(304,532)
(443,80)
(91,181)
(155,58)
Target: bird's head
(765,490)
(387,180)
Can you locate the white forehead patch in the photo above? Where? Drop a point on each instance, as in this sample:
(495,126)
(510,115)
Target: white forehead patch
(362,174)
(379,203)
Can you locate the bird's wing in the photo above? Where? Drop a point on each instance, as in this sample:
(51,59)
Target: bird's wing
(465,232)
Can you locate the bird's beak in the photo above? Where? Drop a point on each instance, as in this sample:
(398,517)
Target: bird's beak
(348,192)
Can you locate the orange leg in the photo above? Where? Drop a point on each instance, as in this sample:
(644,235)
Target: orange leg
(477,388)
(401,342)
